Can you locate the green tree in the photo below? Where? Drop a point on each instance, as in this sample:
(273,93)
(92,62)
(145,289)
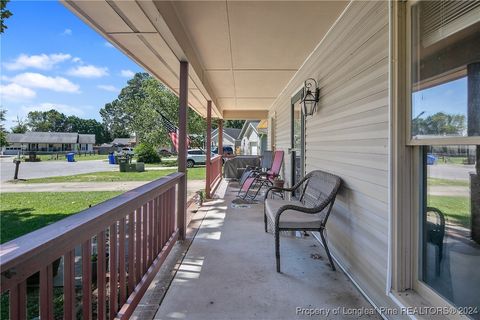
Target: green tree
(4,15)
(115,119)
(47,121)
(238,124)
(3,132)
(135,111)
(439,124)
(20,127)
(88,126)
(146,153)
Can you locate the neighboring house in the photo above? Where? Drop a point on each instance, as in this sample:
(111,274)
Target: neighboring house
(48,142)
(86,142)
(230,138)
(249,138)
(262,129)
(124,142)
(14,143)
(105,148)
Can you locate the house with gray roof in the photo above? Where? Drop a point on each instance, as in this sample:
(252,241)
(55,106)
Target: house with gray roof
(249,138)
(48,142)
(230,138)
(124,142)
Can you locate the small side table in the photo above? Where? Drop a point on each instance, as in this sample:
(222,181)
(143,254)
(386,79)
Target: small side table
(278,184)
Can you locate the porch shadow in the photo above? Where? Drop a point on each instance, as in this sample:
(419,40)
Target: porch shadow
(229,272)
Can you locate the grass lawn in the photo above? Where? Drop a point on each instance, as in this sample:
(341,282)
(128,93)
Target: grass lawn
(456,160)
(447,182)
(451,160)
(107,176)
(166,162)
(21,213)
(456,209)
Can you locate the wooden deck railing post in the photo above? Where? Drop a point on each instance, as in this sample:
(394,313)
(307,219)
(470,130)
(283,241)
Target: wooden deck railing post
(86,280)
(220,137)
(208,180)
(182,149)
(69,285)
(113,271)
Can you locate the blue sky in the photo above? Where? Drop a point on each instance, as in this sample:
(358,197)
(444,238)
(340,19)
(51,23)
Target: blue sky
(50,58)
(450,97)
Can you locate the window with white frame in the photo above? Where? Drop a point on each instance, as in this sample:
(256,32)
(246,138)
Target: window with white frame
(445,69)
(444,122)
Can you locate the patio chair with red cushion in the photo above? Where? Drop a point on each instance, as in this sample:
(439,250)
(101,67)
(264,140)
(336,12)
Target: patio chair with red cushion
(256,180)
(265,165)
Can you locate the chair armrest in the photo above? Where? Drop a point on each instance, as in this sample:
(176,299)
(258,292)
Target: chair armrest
(300,183)
(278,189)
(300,209)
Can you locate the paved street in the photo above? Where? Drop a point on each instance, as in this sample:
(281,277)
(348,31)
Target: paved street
(450,171)
(30,170)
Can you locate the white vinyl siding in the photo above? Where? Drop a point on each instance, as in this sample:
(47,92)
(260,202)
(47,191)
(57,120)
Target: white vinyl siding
(348,136)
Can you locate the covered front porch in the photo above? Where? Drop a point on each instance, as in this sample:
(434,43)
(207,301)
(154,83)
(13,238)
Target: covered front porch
(226,270)
(226,265)
(253,60)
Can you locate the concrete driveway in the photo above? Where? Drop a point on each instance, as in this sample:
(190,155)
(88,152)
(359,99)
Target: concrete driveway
(30,170)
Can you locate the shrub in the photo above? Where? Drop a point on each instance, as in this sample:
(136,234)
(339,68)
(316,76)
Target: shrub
(146,153)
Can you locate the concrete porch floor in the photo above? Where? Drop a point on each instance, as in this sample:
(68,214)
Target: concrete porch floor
(228,272)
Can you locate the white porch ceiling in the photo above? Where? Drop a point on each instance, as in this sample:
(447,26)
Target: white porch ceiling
(241,53)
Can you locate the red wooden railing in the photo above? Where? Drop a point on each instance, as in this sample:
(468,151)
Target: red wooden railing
(216,164)
(130,237)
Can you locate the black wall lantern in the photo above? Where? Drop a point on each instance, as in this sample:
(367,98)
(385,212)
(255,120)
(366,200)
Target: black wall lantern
(311,95)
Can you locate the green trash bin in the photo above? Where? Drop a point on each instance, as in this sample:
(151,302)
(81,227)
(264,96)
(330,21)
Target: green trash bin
(140,166)
(123,165)
(131,167)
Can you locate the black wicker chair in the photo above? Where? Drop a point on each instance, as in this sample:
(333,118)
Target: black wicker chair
(309,213)
(435,225)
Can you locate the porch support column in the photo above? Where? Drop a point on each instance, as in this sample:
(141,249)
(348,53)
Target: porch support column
(220,137)
(473,78)
(182,150)
(208,181)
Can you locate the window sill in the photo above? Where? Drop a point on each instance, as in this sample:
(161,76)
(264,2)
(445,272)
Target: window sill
(417,306)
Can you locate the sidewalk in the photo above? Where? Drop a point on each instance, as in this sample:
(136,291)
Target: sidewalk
(453,191)
(192,186)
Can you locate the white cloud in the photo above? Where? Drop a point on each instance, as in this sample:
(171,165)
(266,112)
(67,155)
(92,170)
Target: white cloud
(88,71)
(127,73)
(77,60)
(41,61)
(108,44)
(108,87)
(15,92)
(67,32)
(45,106)
(37,80)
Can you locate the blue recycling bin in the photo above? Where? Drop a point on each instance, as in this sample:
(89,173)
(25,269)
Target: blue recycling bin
(111,158)
(70,157)
(431,159)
